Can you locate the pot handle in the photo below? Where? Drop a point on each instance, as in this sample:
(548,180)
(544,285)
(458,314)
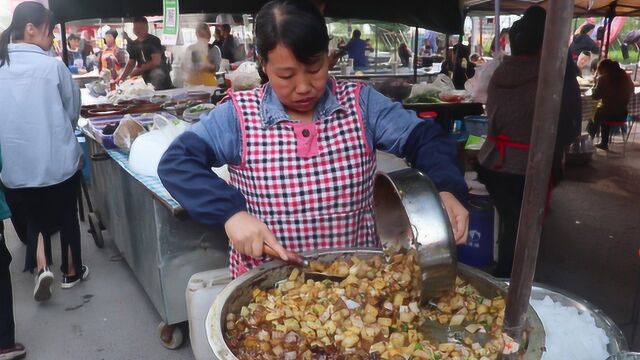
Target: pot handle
(100,157)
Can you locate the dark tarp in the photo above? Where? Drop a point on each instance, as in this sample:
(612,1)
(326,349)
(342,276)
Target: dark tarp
(438,15)
(581,7)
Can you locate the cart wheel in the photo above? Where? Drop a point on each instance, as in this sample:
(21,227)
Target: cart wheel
(171,336)
(96,230)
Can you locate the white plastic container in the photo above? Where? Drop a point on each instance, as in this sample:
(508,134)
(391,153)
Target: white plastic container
(202,289)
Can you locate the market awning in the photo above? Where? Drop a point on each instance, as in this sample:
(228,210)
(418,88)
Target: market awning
(581,8)
(438,15)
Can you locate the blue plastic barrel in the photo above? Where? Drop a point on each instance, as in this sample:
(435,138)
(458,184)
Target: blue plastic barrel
(86,173)
(477,125)
(478,251)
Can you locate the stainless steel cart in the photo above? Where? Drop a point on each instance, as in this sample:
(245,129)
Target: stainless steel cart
(160,243)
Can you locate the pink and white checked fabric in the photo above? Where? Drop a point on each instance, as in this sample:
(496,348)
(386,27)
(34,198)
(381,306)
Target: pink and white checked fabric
(320,201)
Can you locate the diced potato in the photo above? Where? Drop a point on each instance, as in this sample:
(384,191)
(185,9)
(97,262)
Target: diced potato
(399,298)
(379,347)
(423,354)
(482,309)
(385,322)
(407,317)
(244,312)
(292,325)
(397,340)
(499,303)
(443,319)
(350,341)
(278,350)
(456,320)
(308,333)
(412,336)
(473,328)
(456,303)
(330,327)
(446,347)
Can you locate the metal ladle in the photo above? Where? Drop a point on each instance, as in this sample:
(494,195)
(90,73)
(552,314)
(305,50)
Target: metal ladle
(303,262)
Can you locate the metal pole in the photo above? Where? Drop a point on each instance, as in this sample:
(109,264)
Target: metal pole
(375,69)
(496,25)
(481,34)
(63,38)
(543,138)
(415,58)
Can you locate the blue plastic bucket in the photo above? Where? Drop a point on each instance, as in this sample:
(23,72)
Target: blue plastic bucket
(477,125)
(478,251)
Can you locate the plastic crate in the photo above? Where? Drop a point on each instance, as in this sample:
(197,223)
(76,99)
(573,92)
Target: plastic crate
(476,125)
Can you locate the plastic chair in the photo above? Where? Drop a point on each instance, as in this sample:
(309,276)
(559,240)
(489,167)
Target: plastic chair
(613,125)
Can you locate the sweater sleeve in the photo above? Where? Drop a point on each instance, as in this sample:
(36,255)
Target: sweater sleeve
(429,150)
(185,171)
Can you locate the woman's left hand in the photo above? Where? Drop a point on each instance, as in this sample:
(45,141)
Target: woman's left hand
(458,215)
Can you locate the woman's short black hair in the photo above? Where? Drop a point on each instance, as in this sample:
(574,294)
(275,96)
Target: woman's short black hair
(112,32)
(297,24)
(586,28)
(526,35)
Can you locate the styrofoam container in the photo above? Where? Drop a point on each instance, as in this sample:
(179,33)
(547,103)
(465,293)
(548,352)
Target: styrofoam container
(202,289)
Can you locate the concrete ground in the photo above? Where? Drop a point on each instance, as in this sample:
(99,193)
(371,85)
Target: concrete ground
(108,317)
(589,247)
(590,239)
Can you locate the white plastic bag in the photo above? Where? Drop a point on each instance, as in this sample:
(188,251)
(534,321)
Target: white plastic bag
(478,85)
(442,83)
(127,131)
(148,148)
(245,77)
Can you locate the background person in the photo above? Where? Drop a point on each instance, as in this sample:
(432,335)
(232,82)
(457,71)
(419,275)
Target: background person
(41,155)
(614,88)
(9,348)
(111,57)
(147,58)
(202,59)
(510,107)
(583,42)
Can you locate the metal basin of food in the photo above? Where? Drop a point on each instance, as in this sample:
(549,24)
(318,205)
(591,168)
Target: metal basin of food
(238,293)
(409,214)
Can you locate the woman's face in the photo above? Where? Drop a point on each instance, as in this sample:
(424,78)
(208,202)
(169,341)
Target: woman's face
(41,36)
(109,40)
(298,86)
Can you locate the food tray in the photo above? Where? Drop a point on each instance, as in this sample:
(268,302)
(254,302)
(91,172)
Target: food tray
(99,123)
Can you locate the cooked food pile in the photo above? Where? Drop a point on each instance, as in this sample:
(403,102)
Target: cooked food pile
(373,313)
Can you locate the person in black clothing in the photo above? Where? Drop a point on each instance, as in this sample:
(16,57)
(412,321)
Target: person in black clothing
(228,48)
(583,42)
(217,35)
(146,57)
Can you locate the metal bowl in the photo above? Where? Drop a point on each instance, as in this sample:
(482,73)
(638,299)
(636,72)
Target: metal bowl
(617,341)
(238,293)
(410,214)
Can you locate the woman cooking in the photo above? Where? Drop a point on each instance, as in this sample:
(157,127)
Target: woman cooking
(301,150)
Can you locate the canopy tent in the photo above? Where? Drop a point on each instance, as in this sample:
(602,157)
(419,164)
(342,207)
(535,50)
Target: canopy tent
(581,7)
(438,15)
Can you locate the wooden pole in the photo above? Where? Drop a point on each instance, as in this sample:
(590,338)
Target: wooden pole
(543,139)
(611,15)
(496,38)
(63,39)
(415,58)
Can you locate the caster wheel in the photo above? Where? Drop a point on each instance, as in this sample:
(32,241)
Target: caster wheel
(171,336)
(96,230)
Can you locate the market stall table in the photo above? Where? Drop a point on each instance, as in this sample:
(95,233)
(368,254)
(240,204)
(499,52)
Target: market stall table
(155,236)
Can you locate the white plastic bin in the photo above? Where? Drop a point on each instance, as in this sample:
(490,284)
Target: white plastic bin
(201,291)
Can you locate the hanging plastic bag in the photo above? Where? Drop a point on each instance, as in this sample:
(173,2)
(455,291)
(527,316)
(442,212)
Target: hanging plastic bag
(245,77)
(148,148)
(478,85)
(127,131)
(441,84)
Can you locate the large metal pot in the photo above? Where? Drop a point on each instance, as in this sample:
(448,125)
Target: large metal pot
(238,293)
(409,213)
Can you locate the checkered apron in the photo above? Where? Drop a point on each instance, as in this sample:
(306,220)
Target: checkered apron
(308,202)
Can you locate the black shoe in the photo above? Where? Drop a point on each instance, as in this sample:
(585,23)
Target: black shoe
(17,351)
(42,288)
(70,281)
(603,147)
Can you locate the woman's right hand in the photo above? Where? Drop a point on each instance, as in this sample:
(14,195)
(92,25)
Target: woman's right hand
(248,235)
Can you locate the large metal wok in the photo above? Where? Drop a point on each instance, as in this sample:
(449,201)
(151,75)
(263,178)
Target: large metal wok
(265,276)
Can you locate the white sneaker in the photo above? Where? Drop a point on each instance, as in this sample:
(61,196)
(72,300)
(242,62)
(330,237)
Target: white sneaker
(44,280)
